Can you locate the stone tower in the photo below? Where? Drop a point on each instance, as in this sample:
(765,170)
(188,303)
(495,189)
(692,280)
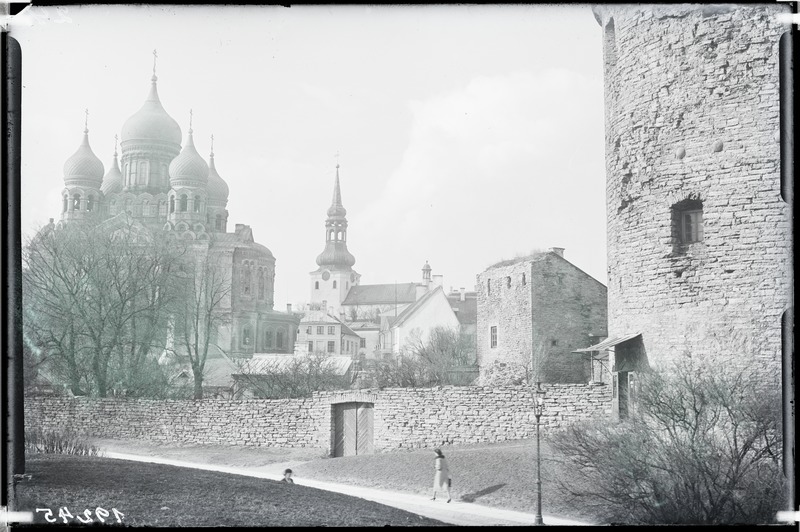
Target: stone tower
(699,243)
(335,275)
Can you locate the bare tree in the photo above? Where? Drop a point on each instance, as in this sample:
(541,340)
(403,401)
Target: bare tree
(87,289)
(704,448)
(205,286)
(291,376)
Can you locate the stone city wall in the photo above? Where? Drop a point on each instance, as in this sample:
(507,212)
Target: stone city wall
(404,418)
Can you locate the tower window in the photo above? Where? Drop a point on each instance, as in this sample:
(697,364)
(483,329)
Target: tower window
(219,222)
(76,202)
(687,223)
(66,203)
(508,281)
(316,285)
(488,286)
(523,279)
(334,284)
(197,204)
(611,43)
(184,206)
(90,203)
(248,279)
(246,335)
(172,204)
(493,336)
(268,338)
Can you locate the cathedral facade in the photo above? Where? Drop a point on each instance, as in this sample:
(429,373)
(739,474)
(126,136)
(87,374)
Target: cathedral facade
(161,186)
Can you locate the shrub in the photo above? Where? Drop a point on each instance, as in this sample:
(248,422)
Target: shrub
(39,441)
(703,447)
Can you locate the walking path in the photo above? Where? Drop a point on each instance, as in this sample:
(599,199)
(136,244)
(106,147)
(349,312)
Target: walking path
(455,512)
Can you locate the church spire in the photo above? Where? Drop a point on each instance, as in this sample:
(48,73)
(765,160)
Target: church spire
(336,254)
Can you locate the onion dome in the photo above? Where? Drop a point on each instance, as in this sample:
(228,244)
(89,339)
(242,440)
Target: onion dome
(217,187)
(336,255)
(112,181)
(151,122)
(426,267)
(188,168)
(84,165)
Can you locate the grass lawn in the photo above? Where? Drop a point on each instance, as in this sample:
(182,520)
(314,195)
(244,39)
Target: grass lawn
(162,495)
(500,474)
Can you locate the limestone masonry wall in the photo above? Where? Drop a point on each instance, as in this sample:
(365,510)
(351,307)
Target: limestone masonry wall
(692,113)
(404,418)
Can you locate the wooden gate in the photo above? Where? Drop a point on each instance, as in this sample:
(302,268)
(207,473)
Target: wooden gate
(352,429)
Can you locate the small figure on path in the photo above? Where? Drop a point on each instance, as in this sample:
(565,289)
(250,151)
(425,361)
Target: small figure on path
(287,477)
(441,481)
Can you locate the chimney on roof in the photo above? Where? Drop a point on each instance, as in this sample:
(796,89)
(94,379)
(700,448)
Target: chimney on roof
(557,251)
(463,294)
(289,308)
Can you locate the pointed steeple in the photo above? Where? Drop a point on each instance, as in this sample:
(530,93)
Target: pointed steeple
(336,209)
(336,255)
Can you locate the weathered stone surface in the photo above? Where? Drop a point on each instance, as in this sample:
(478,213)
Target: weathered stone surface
(702,83)
(403,417)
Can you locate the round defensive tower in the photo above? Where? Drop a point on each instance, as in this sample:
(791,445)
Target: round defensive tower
(699,237)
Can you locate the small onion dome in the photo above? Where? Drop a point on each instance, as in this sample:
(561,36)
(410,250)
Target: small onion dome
(336,255)
(152,122)
(112,182)
(217,187)
(427,267)
(84,164)
(189,165)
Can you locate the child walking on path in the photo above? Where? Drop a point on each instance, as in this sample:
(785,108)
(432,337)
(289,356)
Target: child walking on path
(441,480)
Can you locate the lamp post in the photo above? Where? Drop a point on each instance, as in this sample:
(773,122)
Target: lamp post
(538,406)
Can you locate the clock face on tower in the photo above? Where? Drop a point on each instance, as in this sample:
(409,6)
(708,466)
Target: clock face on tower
(326,275)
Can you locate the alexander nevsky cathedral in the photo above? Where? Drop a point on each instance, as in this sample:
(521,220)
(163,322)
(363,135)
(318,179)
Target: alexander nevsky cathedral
(161,186)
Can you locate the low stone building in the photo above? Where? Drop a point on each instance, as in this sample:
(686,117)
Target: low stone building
(533,313)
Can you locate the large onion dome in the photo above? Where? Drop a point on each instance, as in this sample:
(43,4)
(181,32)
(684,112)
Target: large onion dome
(112,181)
(217,187)
(151,122)
(188,168)
(84,166)
(336,255)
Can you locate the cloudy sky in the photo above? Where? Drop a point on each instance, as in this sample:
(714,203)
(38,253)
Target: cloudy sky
(466,135)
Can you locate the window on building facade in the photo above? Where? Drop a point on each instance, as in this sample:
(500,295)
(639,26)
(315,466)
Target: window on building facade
(334,284)
(247,279)
(320,329)
(316,285)
(280,339)
(523,279)
(493,336)
(488,286)
(268,338)
(261,283)
(363,342)
(331,329)
(687,222)
(310,347)
(508,282)
(331,346)
(308,329)
(246,340)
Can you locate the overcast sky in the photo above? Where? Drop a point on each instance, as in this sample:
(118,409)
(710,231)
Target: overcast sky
(466,135)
